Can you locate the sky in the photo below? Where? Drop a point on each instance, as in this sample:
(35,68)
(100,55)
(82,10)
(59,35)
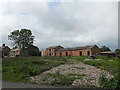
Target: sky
(69,24)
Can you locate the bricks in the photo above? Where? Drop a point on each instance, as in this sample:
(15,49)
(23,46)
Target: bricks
(78,51)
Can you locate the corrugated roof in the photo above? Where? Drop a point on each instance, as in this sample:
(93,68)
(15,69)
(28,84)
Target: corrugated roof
(107,52)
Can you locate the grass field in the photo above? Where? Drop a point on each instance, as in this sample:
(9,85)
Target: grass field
(20,69)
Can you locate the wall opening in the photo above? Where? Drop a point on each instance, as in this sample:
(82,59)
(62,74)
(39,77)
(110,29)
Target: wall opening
(80,53)
(60,54)
(50,54)
(88,53)
(66,53)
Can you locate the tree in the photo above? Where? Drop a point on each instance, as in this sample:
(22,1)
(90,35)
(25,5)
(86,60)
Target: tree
(33,50)
(104,48)
(117,51)
(21,38)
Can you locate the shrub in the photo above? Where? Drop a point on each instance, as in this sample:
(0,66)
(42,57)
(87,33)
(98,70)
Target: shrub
(33,50)
(109,83)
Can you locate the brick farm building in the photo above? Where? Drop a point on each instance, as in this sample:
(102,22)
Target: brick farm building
(77,51)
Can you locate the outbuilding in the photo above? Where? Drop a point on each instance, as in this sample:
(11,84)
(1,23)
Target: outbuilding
(5,51)
(75,51)
(108,54)
(15,52)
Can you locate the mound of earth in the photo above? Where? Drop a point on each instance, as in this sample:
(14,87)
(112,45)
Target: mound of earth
(82,75)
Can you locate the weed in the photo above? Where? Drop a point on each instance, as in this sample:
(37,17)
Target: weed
(105,64)
(111,83)
(70,74)
(79,67)
(20,69)
(60,79)
(90,85)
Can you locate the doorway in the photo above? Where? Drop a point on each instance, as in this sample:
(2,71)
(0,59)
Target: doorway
(80,53)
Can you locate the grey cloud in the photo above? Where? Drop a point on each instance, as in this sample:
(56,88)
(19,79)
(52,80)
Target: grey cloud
(69,24)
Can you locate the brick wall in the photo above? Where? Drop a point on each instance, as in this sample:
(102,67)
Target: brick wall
(94,51)
(74,53)
(49,52)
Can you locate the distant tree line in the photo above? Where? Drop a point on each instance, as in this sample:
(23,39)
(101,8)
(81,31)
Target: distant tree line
(104,48)
(117,51)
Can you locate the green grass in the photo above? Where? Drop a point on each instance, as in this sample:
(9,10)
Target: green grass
(79,76)
(90,85)
(112,83)
(20,69)
(78,67)
(77,58)
(106,64)
(71,74)
(59,79)
(110,66)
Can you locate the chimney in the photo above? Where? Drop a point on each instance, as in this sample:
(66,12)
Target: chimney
(3,45)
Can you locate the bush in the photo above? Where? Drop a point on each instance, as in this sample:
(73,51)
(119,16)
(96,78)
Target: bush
(109,84)
(33,51)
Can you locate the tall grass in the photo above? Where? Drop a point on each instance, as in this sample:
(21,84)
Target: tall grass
(20,69)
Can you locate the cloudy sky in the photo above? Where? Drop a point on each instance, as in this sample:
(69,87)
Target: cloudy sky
(70,24)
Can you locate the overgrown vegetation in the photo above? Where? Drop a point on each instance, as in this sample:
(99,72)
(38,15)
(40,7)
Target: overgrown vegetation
(77,58)
(109,64)
(59,79)
(104,63)
(111,83)
(71,74)
(20,69)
